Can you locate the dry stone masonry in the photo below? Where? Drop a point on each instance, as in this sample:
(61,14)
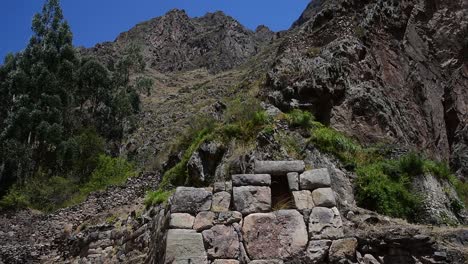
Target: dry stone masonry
(235,222)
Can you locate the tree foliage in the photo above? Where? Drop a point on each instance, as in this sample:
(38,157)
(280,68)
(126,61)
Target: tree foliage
(58,110)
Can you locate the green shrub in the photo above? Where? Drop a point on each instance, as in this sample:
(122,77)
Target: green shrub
(157,197)
(438,169)
(390,196)
(14,199)
(109,171)
(331,141)
(299,118)
(412,164)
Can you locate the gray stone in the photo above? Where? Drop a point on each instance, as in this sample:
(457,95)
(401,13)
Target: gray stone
(324,197)
(278,168)
(185,246)
(325,223)
(303,200)
(203,220)
(252,199)
(225,261)
(317,251)
(219,187)
(221,202)
(293,181)
(222,242)
(227,218)
(190,200)
(276,235)
(181,221)
(343,249)
(313,179)
(251,179)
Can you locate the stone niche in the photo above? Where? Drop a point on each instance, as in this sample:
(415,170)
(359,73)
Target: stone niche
(236,221)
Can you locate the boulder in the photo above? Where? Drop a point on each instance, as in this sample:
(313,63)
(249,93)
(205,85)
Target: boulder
(293,181)
(317,251)
(251,179)
(313,179)
(303,200)
(221,202)
(190,200)
(185,246)
(276,235)
(325,223)
(222,242)
(252,199)
(278,168)
(343,249)
(203,220)
(324,197)
(181,221)
(202,164)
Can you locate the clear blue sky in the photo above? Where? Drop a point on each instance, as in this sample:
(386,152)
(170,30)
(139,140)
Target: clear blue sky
(94,21)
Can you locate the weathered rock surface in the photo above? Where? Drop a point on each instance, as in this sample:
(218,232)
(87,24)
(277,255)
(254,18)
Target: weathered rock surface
(181,221)
(175,42)
(222,242)
(251,179)
(252,199)
(342,249)
(225,261)
(275,235)
(203,220)
(191,200)
(317,251)
(221,202)
(202,164)
(277,168)
(293,181)
(313,179)
(325,223)
(185,246)
(381,71)
(303,200)
(324,197)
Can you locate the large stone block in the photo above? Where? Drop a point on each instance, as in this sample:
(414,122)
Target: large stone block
(190,200)
(227,218)
(303,200)
(181,221)
(325,223)
(277,168)
(185,246)
(276,235)
(313,179)
(222,242)
(251,179)
(252,199)
(293,181)
(204,220)
(324,197)
(221,202)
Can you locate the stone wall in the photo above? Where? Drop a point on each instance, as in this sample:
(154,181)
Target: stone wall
(233,222)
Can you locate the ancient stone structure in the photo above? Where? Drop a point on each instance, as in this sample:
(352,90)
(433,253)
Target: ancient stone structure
(240,224)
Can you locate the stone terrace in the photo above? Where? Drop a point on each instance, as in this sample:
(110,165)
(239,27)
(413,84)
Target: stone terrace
(233,222)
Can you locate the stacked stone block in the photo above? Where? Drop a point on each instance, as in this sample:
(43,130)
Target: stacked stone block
(233,222)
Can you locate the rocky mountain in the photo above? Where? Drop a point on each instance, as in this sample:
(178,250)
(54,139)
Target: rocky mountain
(390,72)
(176,42)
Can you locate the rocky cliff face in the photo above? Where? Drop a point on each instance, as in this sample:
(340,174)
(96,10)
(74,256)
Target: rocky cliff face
(392,71)
(176,42)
